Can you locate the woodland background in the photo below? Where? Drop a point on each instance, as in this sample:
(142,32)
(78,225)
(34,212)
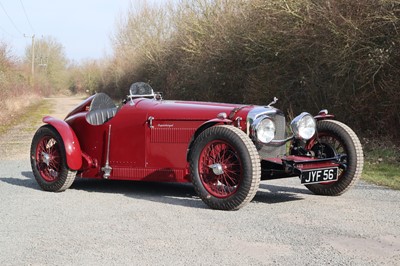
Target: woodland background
(312,54)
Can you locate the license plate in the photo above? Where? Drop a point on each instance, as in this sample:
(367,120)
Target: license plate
(319,175)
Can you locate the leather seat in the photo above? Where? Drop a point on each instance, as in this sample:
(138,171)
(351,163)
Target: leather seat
(101,109)
(99,117)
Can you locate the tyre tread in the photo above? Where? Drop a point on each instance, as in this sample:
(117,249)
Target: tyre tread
(245,196)
(67,176)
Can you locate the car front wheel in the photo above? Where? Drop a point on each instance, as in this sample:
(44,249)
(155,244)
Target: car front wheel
(336,138)
(225,167)
(48,161)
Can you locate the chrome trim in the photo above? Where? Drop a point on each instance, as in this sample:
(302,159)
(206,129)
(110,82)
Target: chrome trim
(253,128)
(273,102)
(238,120)
(217,169)
(323,112)
(295,128)
(222,115)
(280,142)
(259,111)
(150,120)
(277,146)
(46,158)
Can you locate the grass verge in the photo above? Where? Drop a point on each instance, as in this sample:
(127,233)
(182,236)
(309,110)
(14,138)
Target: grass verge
(30,116)
(382,165)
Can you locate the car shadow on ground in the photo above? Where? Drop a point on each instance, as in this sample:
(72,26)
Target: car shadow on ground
(29,182)
(182,194)
(272,194)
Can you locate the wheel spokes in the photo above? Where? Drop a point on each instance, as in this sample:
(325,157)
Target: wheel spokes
(48,158)
(220,183)
(331,146)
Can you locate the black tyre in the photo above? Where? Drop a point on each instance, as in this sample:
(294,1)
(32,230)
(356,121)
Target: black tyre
(225,167)
(336,138)
(48,161)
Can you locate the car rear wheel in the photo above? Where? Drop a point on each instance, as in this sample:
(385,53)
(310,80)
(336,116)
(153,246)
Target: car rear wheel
(225,167)
(48,161)
(336,138)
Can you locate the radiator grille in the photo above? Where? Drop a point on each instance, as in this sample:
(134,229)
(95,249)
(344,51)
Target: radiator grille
(266,151)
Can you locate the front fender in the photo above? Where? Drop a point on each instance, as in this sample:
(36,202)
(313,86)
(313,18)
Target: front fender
(203,127)
(73,152)
(322,115)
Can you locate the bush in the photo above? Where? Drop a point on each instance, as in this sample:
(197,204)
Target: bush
(13,84)
(336,54)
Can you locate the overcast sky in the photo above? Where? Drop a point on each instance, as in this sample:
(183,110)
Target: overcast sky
(83,27)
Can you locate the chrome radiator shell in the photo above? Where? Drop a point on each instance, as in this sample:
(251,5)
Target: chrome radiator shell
(269,150)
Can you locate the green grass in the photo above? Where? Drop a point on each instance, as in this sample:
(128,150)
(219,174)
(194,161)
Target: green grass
(383,174)
(35,113)
(30,116)
(382,165)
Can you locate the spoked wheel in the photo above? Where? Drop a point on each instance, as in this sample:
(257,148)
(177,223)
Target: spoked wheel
(48,161)
(335,138)
(225,168)
(220,169)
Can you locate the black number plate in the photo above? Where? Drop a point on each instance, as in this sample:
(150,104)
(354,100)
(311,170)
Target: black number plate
(319,175)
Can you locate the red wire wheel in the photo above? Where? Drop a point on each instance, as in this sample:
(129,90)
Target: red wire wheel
(220,169)
(225,167)
(48,160)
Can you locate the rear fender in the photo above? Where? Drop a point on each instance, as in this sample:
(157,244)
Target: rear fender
(73,152)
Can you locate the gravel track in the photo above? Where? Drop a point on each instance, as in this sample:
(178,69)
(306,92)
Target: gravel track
(100,222)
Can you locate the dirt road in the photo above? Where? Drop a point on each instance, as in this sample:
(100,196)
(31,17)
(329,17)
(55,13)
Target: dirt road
(129,223)
(15,144)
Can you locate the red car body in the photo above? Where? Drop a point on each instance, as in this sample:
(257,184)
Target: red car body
(144,152)
(152,140)
(138,150)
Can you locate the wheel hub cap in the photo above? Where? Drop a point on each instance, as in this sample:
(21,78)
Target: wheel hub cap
(46,158)
(217,168)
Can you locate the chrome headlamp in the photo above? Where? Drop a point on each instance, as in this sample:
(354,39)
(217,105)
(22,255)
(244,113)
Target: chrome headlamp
(304,126)
(263,129)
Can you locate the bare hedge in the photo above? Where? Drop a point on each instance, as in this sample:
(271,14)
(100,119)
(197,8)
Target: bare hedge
(312,54)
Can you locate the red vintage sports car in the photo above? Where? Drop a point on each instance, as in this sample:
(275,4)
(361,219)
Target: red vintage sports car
(223,149)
